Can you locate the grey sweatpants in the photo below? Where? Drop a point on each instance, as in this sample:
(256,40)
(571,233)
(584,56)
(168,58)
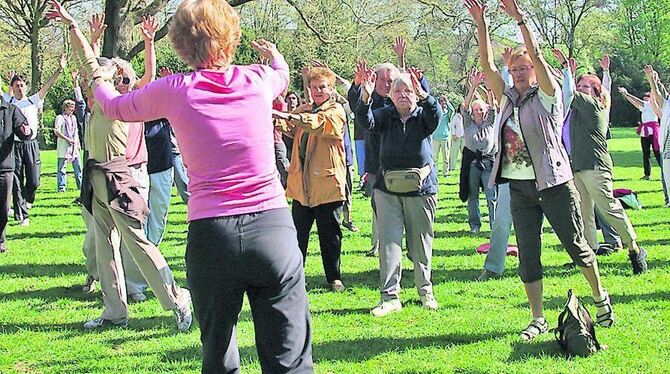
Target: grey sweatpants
(416,214)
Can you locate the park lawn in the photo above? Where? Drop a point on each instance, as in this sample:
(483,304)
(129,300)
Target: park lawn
(42,308)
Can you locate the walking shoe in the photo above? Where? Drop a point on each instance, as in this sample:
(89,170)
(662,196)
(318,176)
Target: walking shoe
(639,261)
(29,206)
(604,313)
(10,212)
(89,286)
(373,252)
(537,326)
(386,307)
(350,226)
(607,249)
(138,297)
(182,315)
(3,248)
(429,302)
(76,201)
(104,323)
(337,286)
(474,231)
(645,178)
(25,222)
(486,275)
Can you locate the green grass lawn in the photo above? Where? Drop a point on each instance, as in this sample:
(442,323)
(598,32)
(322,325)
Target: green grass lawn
(42,308)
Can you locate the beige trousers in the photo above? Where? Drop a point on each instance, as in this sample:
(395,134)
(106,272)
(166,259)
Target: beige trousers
(595,190)
(150,261)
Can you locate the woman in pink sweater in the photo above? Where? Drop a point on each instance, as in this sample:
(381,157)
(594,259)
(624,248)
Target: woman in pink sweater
(241,236)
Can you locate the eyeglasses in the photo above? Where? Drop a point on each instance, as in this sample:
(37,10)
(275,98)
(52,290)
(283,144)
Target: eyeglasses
(520,69)
(122,80)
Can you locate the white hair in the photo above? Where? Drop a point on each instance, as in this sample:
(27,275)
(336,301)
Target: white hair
(403,78)
(385,66)
(480,102)
(127,68)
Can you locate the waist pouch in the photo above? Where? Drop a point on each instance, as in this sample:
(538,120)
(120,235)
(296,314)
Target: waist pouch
(406,180)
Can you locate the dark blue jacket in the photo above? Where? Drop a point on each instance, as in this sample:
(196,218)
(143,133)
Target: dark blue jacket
(372,139)
(404,145)
(159,146)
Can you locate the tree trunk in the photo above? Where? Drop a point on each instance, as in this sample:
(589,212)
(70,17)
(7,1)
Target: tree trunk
(114,39)
(36,58)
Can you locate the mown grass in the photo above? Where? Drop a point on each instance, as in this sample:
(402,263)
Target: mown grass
(42,308)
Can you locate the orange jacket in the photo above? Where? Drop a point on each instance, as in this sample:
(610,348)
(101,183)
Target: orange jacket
(322,179)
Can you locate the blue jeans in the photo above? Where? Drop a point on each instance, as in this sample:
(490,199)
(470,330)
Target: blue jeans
(160,188)
(61,176)
(181,178)
(360,157)
(476,178)
(500,230)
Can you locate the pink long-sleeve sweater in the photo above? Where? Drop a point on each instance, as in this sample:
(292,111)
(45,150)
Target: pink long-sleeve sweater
(223,123)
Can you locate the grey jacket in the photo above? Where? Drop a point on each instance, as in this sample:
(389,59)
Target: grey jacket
(541,131)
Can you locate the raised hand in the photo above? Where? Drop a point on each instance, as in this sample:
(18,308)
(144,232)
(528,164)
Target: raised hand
(506,55)
(359,71)
(164,72)
(74,74)
(265,48)
(477,9)
(318,64)
(304,72)
(11,76)
(512,9)
(148,27)
(605,62)
(399,47)
(62,63)
(648,71)
(560,56)
(58,13)
(572,64)
(475,78)
(97,26)
(415,76)
(368,84)
(623,91)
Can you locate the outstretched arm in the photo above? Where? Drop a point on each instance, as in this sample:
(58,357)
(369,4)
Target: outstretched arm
(50,82)
(148,27)
(493,78)
(656,100)
(636,102)
(545,79)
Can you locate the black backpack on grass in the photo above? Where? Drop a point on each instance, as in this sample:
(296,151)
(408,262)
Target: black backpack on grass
(575,332)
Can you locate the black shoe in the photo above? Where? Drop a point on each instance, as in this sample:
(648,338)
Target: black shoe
(350,226)
(606,249)
(76,201)
(645,178)
(3,248)
(373,252)
(638,261)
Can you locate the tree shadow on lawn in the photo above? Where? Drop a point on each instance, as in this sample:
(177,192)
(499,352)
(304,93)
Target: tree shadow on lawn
(41,270)
(44,235)
(364,349)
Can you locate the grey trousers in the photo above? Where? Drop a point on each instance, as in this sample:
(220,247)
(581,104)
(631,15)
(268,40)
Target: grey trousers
(416,214)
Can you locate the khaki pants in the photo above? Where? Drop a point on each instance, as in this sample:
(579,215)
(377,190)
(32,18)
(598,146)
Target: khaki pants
(595,190)
(150,261)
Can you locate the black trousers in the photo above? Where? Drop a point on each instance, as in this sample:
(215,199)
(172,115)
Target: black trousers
(6,181)
(647,146)
(256,254)
(328,219)
(26,176)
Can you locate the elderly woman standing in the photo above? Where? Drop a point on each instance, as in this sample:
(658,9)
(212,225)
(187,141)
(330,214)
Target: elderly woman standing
(536,164)
(405,192)
(67,144)
(317,175)
(241,236)
(478,154)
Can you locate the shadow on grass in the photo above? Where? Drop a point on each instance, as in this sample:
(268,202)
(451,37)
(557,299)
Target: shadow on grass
(523,351)
(364,349)
(41,270)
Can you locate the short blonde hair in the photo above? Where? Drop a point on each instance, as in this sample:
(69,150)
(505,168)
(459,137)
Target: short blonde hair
(67,102)
(321,73)
(403,78)
(517,54)
(205,33)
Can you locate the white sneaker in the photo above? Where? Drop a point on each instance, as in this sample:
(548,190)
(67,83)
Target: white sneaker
(29,206)
(429,302)
(10,212)
(337,286)
(103,323)
(25,222)
(386,307)
(182,315)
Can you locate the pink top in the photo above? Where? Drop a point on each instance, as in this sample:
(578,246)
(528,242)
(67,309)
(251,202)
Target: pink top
(223,123)
(136,148)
